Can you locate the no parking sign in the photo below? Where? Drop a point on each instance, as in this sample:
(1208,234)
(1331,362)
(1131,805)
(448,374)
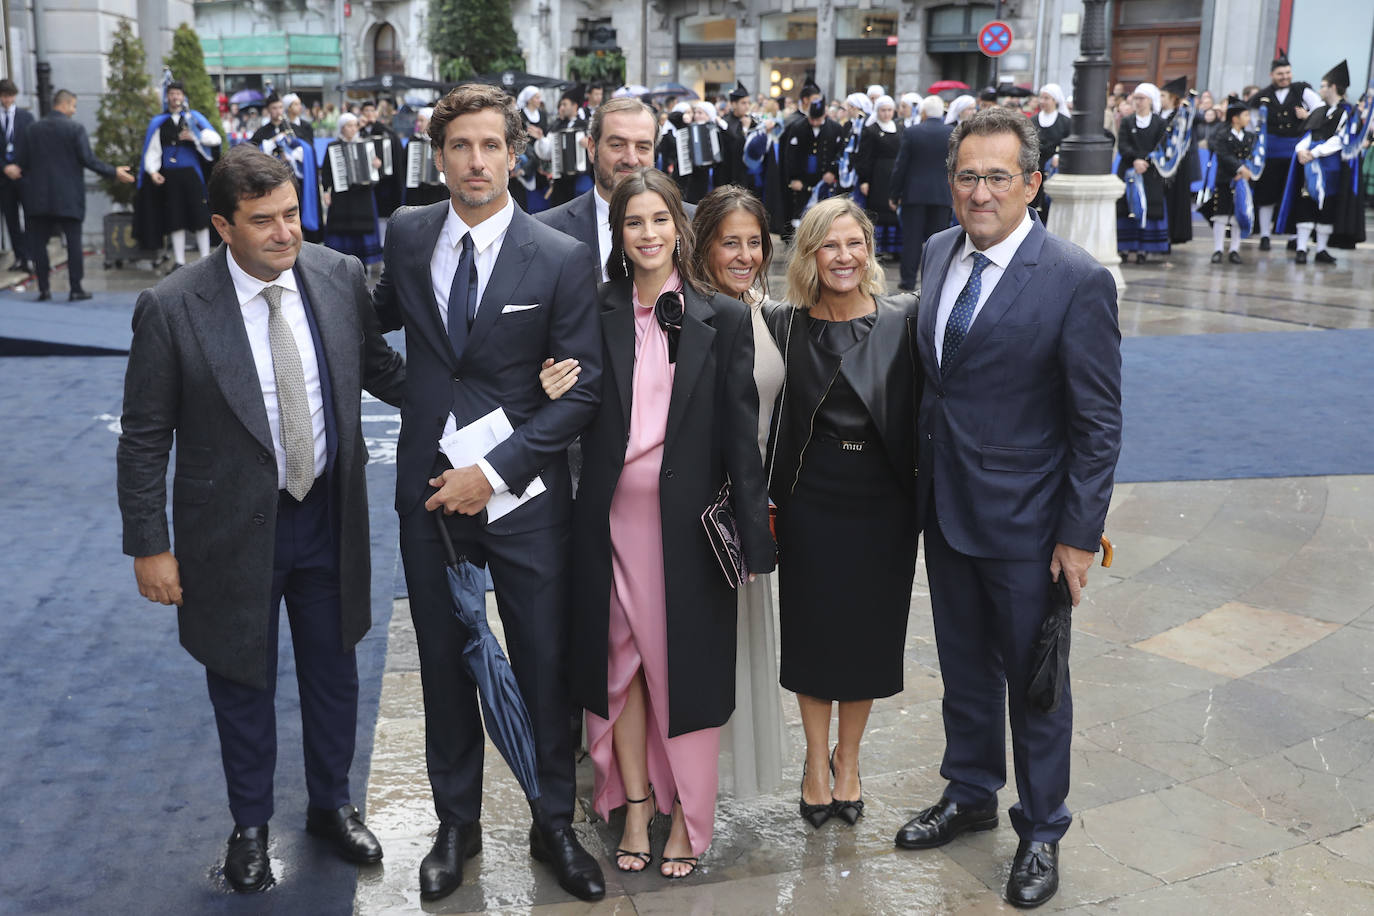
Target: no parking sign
(994,39)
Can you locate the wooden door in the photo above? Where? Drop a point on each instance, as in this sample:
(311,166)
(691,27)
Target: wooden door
(1154,56)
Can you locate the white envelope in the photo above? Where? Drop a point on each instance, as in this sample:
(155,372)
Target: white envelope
(464,446)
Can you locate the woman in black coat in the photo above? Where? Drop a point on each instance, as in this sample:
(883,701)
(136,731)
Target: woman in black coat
(1052,126)
(652,611)
(842,473)
(1137,137)
(878,146)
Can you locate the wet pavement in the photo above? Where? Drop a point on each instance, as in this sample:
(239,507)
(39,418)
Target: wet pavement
(1223,674)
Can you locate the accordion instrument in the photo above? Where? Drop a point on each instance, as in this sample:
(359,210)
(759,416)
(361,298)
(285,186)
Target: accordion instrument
(569,154)
(698,147)
(350,165)
(420,167)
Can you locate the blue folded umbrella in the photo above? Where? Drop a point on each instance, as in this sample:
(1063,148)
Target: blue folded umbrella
(503,706)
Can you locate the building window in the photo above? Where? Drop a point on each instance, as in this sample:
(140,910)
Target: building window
(952,40)
(872,24)
(787,53)
(788,27)
(706,54)
(386,57)
(1133,13)
(705,29)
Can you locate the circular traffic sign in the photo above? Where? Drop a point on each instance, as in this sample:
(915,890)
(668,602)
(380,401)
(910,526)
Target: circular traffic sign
(994,39)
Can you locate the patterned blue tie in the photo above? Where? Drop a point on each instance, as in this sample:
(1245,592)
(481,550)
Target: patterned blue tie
(962,315)
(462,297)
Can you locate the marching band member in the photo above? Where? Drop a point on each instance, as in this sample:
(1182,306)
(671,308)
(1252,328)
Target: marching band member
(1289,104)
(1232,148)
(1141,133)
(1325,206)
(178,149)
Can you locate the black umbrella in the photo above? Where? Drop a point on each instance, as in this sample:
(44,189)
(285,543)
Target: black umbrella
(1050,661)
(514,80)
(503,706)
(390,82)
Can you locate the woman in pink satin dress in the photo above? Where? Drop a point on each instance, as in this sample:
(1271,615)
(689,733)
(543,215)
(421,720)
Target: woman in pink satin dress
(654,617)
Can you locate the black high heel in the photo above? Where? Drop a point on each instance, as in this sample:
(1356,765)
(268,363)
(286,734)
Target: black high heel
(815,815)
(847,811)
(646,857)
(691,861)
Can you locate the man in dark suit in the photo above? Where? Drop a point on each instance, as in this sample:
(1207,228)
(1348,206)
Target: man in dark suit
(620,140)
(485,293)
(921,185)
(14,121)
(253,360)
(50,161)
(1019,432)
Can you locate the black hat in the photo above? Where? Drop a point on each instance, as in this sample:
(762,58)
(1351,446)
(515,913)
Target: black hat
(1339,75)
(988,95)
(176,84)
(576,94)
(817,107)
(1281,60)
(1234,106)
(739,92)
(1178,87)
(271,97)
(810,88)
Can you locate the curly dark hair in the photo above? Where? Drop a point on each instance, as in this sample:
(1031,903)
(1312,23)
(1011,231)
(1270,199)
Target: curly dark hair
(473,97)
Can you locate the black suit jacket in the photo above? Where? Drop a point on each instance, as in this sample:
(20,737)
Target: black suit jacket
(54,151)
(499,366)
(712,434)
(23,119)
(919,175)
(191,375)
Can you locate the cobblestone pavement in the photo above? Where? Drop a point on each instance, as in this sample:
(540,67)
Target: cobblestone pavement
(1224,743)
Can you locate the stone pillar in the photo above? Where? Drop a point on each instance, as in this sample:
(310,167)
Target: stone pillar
(910,51)
(825,49)
(1085,192)
(747,54)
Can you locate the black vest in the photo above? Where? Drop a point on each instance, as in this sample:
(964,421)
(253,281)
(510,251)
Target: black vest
(1283,116)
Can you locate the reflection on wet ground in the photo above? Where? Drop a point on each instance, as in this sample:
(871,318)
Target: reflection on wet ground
(1223,690)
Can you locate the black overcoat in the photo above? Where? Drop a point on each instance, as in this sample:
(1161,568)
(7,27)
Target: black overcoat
(712,434)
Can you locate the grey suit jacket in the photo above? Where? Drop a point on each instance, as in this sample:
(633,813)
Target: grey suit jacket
(191,376)
(1019,435)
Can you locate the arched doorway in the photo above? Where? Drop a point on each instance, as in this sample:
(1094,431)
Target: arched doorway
(386,53)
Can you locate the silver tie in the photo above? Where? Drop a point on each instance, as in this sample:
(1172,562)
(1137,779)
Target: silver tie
(293,407)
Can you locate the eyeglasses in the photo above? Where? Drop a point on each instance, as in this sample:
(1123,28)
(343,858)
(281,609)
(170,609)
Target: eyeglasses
(998,182)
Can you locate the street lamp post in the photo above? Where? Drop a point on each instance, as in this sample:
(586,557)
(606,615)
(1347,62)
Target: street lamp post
(1085,191)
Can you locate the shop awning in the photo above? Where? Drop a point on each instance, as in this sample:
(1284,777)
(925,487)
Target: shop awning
(276,53)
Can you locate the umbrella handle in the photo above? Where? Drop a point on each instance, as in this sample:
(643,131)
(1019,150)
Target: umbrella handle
(449,552)
(1107,550)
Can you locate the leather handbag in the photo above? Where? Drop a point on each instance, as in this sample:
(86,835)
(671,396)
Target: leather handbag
(722,531)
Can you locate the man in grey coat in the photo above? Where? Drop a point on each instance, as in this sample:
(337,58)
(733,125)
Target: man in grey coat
(253,359)
(50,160)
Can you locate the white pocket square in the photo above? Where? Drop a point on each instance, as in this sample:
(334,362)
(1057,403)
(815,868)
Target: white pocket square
(518,308)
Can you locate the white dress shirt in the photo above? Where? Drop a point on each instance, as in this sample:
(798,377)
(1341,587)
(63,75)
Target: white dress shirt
(603,231)
(1000,255)
(487,237)
(249,289)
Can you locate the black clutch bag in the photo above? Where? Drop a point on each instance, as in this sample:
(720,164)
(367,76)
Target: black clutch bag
(723,534)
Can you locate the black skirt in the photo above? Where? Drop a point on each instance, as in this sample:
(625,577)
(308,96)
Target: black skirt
(847,543)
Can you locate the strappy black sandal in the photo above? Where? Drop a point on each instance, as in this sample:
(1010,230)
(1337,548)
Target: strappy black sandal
(646,857)
(679,860)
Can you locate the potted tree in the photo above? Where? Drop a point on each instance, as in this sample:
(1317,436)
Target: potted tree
(121,121)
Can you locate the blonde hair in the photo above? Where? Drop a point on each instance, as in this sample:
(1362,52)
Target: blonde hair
(803,279)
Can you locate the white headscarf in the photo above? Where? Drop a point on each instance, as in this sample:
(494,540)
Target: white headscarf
(713,117)
(1152,91)
(879,102)
(875,91)
(523,100)
(347,118)
(1047,119)
(860,101)
(957,107)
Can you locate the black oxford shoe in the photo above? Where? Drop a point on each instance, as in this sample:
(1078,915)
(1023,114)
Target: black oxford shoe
(441,870)
(78,295)
(1300,257)
(344,828)
(245,864)
(1234,257)
(577,871)
(945,820)
(1264,243)
(1324,257)
(1034,874)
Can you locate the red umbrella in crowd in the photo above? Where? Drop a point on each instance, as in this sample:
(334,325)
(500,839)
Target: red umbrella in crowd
(945,86)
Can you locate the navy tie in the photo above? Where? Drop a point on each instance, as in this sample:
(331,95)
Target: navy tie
(956,328)
(463,295)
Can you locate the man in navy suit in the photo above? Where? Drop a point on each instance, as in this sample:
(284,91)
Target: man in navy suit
(620,140)
(1019,432)
(485,293)
(921,186)
(13,122)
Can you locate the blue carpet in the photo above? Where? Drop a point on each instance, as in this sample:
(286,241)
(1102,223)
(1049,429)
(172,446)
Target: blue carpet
(1220,406)
(114,799)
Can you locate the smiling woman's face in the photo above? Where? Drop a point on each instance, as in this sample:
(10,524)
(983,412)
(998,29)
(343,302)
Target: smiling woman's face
(648,232)
(842,259)
(736,253)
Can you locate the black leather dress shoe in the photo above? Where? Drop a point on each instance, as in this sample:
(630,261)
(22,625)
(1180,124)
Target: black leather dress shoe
(943,821)
(43,296)
(441,870)
(577,871)
(1324,257)
(1234,257)
(1034,874)
(1264,243)
(245,864)
(344,828)
(1216,257)
(1300,257)
(78,295)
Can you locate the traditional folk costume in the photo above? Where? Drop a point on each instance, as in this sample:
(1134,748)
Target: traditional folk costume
(873,167)
(807,154)
(530,186)
(1051,127)
(1325,197)
(1282,131)
(1137,138)
(180,202)
(389,190)
(1231,148)
(1178,188)
(281,140)
(351,225)
(733,170)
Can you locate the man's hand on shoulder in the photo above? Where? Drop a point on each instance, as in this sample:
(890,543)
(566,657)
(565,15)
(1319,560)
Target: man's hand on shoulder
(463,490)
(159,578)
(1074,563)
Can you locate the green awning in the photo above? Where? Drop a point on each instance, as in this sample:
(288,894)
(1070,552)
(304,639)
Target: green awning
(277,53)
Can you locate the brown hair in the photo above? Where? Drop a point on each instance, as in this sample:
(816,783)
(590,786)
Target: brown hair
(711,212)
(803,277)
(245,173)
(649,181)
(473,97)
(618,106)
